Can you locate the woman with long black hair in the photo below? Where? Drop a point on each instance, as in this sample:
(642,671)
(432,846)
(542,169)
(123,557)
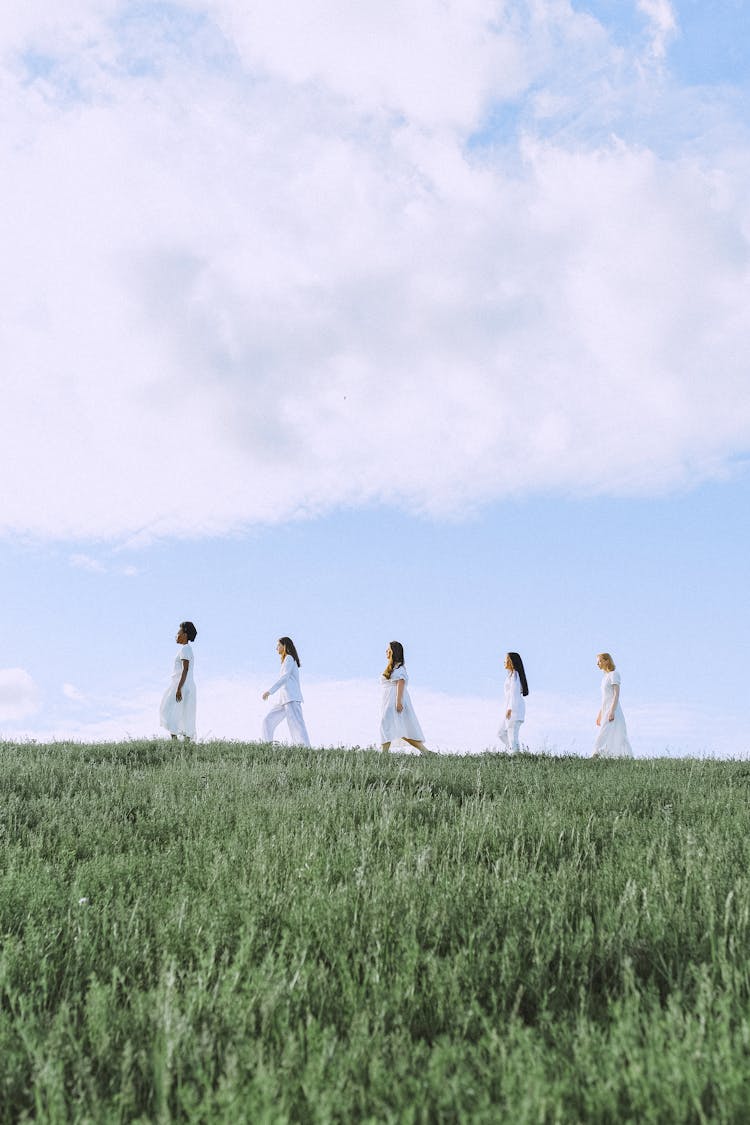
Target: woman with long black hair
(516,689)
(290,702)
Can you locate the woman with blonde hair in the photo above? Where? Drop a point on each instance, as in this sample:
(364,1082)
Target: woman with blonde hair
(397,718)
(612,740)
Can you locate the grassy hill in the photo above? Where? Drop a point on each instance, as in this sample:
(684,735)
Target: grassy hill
(227,932)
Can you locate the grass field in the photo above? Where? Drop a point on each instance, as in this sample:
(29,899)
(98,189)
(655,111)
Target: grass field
(233,933)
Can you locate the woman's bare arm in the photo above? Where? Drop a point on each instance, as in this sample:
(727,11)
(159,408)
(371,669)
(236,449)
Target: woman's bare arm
(183,677)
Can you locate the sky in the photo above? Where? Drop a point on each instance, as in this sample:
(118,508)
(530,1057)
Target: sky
(422,320)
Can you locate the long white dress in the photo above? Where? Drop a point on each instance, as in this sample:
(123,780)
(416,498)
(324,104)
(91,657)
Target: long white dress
(612,740)
(179,718)
(398,724)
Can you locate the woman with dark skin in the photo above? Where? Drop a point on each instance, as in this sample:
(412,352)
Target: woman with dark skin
(177,711)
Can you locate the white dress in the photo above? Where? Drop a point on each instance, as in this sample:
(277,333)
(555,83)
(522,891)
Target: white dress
(179,718)
(395,724)
(612,740)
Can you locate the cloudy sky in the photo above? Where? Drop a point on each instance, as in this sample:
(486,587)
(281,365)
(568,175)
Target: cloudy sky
(424,320)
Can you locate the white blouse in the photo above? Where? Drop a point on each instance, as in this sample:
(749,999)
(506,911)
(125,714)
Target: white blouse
(288,682)
(514,700)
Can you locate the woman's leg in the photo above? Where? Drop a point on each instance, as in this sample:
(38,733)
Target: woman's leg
(508,735)
(600,745)
(420,746)
(275,716)
(296,723)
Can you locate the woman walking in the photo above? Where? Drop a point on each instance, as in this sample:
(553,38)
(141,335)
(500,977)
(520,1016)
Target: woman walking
(397,718)
(177,711)
(612,740)
(290,702)
(515,690)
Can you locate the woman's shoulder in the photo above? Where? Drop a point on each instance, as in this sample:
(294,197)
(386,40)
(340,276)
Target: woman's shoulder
(399,673)
(186,651)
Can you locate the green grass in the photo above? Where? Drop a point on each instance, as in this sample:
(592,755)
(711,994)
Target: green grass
(275,935)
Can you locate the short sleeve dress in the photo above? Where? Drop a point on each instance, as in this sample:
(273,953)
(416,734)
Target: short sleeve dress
(612,740)
(395,724)
(179,718)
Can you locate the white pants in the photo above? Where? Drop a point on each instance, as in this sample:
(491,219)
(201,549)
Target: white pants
(292,712)
(508,733)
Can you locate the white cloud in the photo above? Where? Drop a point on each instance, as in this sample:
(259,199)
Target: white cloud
(97,566)
(19,694)
(70,691)
(86,562)
(255,261)
(663,23)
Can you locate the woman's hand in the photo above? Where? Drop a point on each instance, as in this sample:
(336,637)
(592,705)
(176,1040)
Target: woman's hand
(178,695)
(265,695)
(599,719)
(399,707)
(611,716)
(508,714)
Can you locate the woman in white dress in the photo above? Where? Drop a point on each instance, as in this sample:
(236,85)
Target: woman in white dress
(177,711)
(612,740)
(290,702)
(397,717)
(516,688)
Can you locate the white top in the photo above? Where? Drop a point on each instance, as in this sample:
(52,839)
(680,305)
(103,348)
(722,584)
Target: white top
(514,700)
(609,679)
(184,652)
(288,682)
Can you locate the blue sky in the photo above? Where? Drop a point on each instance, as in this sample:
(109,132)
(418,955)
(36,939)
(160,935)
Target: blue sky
(305,337)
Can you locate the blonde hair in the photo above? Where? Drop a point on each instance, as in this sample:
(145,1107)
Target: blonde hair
(609,662)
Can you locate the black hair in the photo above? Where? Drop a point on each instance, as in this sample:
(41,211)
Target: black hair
(517,663)
(189,630)
(288,644)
